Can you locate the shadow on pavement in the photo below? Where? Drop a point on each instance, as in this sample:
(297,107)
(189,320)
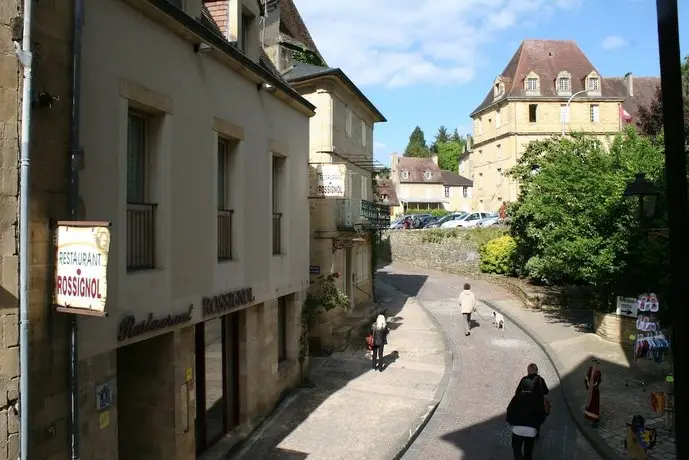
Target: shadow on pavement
(612,427)
(580,319)
(317,419)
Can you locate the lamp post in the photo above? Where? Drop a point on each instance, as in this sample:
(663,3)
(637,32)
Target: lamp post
(564,119)
(647,193)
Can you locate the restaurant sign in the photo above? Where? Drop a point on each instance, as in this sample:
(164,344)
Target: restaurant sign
(81,266)
(130,327)
(327,180)
(225,302)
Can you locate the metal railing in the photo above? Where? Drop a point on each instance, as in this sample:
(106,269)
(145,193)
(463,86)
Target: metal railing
(377,214)
(277,233)
(141,233)
(225,234)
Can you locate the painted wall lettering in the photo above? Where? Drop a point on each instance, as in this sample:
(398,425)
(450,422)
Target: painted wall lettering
(224,302)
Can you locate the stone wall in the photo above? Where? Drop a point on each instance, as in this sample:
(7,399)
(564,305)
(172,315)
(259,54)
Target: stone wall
(615,328)
(98,430)
(453,250)
(48,367)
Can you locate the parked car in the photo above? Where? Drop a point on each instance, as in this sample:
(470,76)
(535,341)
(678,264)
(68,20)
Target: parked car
(447,218)
(466,221)
(491,219)
(426,221)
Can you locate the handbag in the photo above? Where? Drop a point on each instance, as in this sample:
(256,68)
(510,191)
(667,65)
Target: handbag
(369,341)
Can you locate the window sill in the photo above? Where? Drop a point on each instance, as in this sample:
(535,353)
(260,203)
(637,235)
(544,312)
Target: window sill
(141,271)
(280,255)
(226,261)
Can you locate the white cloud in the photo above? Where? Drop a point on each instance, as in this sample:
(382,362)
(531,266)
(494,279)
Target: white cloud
(401,42)
(613,42)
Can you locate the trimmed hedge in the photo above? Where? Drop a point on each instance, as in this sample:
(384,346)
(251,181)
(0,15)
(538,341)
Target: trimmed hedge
(498,256)
(432,212)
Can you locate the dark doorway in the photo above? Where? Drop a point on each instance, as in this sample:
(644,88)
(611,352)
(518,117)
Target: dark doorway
(217,373)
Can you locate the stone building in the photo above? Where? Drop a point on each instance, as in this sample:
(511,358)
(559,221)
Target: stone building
(207,195)
(529,101)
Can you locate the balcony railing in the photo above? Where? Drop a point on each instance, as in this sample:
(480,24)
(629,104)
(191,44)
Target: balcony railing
(225,234)
(377,215)
(141,232)
(277,233)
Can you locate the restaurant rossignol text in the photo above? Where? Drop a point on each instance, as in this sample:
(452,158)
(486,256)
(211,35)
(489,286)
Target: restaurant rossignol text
(76,285)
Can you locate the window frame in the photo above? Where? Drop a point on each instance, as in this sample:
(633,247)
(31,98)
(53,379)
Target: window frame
(533,113)
(591,86)
(364,133)
(348,122)
(447,191)
(143,194)
(533,80)
(568,84)
(594,113)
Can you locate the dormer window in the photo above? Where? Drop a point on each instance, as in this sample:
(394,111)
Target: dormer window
(246,31)
(428,175)
(405,174)
(564,83)
(532,85)
(498,88)
(593,83)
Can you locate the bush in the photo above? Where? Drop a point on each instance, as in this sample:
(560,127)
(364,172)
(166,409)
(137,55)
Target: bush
(478,235)
(432,212)
(498,255)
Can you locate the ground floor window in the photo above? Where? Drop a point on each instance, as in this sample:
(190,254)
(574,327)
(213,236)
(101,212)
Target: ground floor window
(413,205)
(217,379)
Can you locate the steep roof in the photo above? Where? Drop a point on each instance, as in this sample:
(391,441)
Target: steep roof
(302,72)
(452,179)
(546,58)
(387,188)
(643,90)
(417,168)
(292,23)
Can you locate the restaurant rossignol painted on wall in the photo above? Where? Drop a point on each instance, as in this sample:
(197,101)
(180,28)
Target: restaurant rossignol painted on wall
(81,266)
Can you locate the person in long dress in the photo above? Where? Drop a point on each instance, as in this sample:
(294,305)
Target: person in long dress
(592,382)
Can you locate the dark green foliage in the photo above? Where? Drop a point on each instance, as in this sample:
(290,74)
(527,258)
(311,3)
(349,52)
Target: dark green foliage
(417,145)
(498,256)
(571,222)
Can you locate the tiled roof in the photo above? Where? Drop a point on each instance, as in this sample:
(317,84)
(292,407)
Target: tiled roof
(417,168)
(292,23)
(546,58)
(303,72)
(387,188)
(643,88)
(452,179)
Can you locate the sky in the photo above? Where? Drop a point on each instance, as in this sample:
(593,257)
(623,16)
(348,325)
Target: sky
(431,62)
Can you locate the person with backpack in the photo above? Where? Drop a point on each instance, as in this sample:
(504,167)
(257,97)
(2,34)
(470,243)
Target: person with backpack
(525,414)
(540,388)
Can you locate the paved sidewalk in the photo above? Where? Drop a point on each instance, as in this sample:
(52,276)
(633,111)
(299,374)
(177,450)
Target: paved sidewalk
(352,412)
(570,348)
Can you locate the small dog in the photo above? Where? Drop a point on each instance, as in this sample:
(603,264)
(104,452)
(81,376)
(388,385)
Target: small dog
(498,320)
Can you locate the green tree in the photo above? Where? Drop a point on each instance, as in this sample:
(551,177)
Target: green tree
(570,222)
(456,137)
(417,145)
(448,155)
(440,138)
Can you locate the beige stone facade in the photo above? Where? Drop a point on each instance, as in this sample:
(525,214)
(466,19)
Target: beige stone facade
(191,101)
(548,86)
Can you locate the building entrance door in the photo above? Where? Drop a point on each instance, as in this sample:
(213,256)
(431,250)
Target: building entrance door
(217,373)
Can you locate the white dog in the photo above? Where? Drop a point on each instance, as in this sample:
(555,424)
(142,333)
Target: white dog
(498,320)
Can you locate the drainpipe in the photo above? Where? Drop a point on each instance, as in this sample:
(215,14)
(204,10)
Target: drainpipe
(25,59)
(75,159)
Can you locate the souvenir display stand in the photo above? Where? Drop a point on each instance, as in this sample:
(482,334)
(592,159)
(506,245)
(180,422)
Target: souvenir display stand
(650,342)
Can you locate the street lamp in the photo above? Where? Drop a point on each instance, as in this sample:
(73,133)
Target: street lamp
(647,193)
(564,118)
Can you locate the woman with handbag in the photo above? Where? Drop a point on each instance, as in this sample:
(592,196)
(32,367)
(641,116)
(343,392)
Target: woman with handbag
(379,338)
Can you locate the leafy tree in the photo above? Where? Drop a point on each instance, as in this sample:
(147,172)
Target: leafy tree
(448,155)
(440,138)
(570,222)
(456,137)
(417,145)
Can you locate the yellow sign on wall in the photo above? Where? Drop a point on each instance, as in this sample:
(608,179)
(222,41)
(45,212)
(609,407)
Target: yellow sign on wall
(81,261)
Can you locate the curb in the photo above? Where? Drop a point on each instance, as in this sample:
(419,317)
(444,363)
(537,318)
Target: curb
(591,435)
(444,380)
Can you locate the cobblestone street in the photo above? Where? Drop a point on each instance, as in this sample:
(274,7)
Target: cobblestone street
(470,423)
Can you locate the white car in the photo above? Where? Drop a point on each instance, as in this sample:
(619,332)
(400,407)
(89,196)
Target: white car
(466,221)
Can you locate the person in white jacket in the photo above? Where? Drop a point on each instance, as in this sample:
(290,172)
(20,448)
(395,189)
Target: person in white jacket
(467,305)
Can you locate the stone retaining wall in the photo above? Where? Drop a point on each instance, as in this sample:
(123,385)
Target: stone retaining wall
(452,250)
(614,328)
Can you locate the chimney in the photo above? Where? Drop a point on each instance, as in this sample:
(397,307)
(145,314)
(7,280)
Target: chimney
(629,83)
(469,143)
(435,159)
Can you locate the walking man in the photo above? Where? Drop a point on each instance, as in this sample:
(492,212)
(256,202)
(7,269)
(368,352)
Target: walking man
(467,305)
